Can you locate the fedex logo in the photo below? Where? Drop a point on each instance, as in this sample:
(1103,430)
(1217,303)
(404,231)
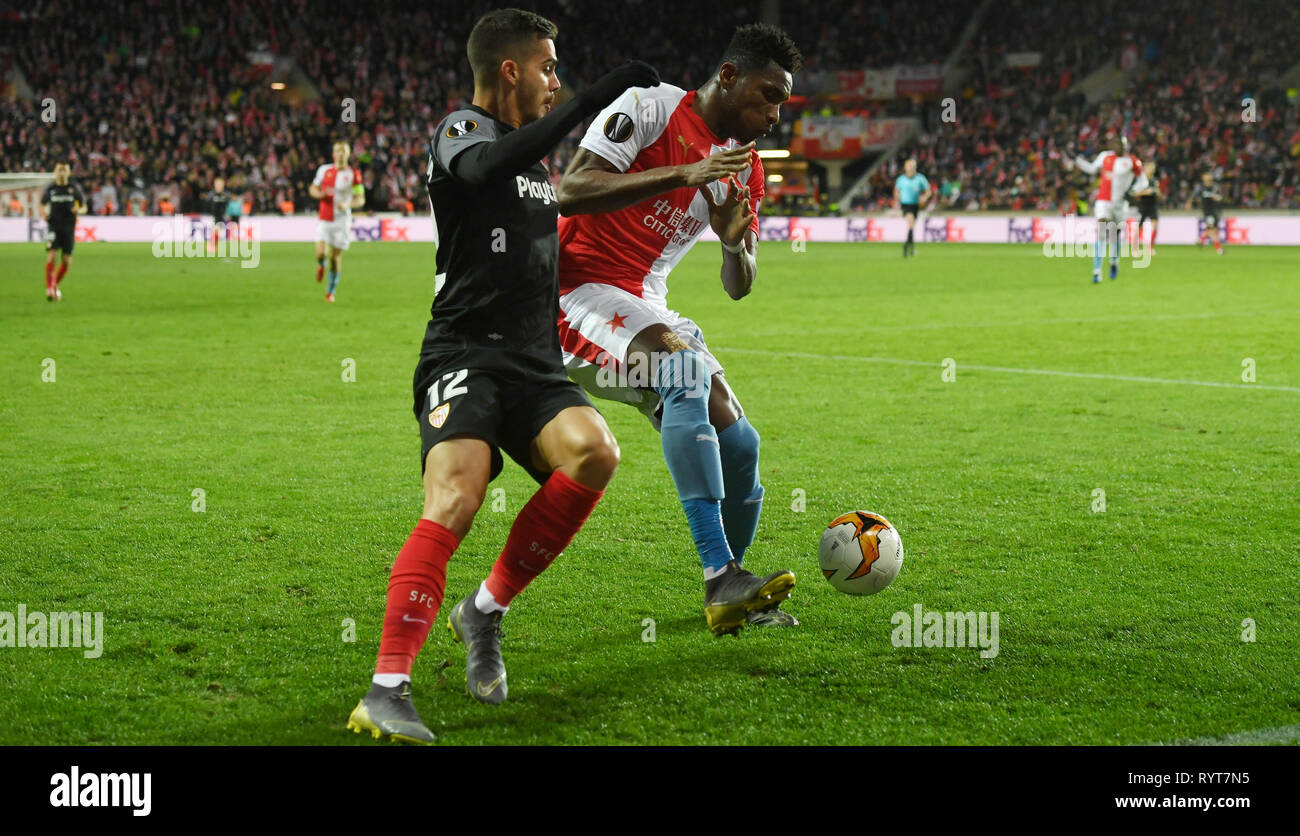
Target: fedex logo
(380,229)
(944,229)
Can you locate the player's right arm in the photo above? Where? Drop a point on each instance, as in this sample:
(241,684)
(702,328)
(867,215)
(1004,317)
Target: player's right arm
(45,204)
(593,184)
(1091,167)
(598,179)
(314,189)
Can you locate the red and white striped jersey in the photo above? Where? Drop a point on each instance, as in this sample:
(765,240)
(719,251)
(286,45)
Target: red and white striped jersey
(337,184)
(1119,172)
(635,248)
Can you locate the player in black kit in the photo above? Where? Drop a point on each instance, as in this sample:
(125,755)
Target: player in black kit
(61,203)
(217,202)
(490,376)
(1209,196)
(1147,208)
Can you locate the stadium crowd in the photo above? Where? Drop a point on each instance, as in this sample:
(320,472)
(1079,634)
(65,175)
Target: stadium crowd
(1191,68)
(152,99)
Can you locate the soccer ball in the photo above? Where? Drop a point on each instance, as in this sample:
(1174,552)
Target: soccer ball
(860,553)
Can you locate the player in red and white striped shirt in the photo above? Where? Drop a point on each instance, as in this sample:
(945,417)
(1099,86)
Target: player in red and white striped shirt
(339,189)
(662,165)
(1120,171)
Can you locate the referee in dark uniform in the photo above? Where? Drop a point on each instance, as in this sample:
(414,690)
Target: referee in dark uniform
(490,376)
(61,203)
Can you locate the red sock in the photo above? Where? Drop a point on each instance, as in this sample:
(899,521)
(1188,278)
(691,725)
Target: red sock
(543,529)
(1153,237)
(49,275)
(63,270)
(415,589)
(1218,246)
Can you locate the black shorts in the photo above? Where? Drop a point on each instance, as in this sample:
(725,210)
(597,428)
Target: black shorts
(1145,212)
(910,208)
(506,403)
(1211,221)
(61,237)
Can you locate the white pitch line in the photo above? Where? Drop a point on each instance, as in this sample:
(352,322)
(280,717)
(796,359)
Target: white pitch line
(1281,734)
(848,358)
(1072,320)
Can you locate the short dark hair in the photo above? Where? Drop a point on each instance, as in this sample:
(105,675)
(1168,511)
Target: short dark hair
(754,46)
(498,33)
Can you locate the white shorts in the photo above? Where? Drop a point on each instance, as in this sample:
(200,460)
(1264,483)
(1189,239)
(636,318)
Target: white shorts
(1115,211)
(337,233)
(597,325)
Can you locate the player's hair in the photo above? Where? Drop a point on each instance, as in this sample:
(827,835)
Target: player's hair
(341,141)
(498,34)
(755,45)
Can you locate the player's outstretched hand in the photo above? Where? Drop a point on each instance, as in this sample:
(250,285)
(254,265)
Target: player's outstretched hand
(719,165)
(612,84)
(731,217)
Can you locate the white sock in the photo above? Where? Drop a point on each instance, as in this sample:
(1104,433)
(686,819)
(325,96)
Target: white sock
(389,680)
(485,603)
(710,574)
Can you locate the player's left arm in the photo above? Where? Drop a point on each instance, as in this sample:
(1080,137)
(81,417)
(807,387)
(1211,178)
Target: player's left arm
(735,220)
(358,190)
(925,194)
(79,201)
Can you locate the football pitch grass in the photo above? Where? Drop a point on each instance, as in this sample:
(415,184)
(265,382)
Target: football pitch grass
(1090,466)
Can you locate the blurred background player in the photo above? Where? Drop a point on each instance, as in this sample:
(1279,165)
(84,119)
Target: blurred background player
(1210,199)
(1120,171)
(911,190)
(217,202)
(61,203)
(1148,207)
(662,165)
(490,377)
(339,189)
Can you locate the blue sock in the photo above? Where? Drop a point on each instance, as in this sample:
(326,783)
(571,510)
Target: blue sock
(691,451)
(744,500)
(334,280)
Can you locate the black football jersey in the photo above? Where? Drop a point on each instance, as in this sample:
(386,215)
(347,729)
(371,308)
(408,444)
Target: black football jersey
(60,199)
(217,203)
(497,255)
(1209,196)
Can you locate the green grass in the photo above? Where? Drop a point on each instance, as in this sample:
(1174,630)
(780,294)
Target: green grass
(226,626)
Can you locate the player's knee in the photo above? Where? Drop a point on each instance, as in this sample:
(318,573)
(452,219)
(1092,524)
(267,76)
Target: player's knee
(740,443)
(453,503)
(593,458)
(683,374)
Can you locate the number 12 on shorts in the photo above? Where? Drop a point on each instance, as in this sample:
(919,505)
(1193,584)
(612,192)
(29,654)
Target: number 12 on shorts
(454,387)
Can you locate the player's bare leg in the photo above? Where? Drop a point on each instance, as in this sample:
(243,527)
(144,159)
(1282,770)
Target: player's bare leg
(712,454)
(455,481)
(580,453)
(336,267)
(320,261)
